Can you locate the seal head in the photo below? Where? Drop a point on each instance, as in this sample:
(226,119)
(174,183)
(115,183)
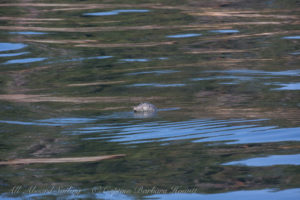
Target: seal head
(145,107)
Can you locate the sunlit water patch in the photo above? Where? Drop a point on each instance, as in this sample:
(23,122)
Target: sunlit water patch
(116,12)
(12,54)
(184,35)
(28,33)
(11,46)
(269,161)
(225,31)
(24,60)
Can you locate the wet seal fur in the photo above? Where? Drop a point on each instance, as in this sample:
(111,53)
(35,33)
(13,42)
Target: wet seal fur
(145,107)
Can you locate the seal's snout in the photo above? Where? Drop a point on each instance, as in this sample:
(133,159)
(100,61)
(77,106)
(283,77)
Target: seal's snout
(134,108)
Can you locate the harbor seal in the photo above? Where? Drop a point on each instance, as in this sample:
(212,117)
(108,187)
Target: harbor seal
(145,107)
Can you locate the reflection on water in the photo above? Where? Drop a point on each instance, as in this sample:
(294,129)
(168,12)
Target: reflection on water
(144,114)
(255,135)
(261,72)
(82,59)
(289,86)
(142,59)
(269,161)
(295,53)
(28,123)
(184,35)
(225,31)
(296,37)
(11,46)
(239,76)
(224,76)
(135,60)
(66,120)
(157,72)
(157,85)
(28,33)
(25,60)
(115,12)
(12,54)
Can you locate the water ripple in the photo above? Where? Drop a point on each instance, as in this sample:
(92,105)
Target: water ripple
(24,60)
(244,75)
(115,12)
(157,85)
(28,33)
(226,131)
(296,37)
(288,86)
(225,31)
(184,35)
(11,46)
(12,54)
(269,161)
(157,72)
(135,60)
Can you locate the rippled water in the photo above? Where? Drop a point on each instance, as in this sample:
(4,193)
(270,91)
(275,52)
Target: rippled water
(223,74)
(269,161)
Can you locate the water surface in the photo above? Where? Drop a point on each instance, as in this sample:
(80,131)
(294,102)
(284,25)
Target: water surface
(224,76)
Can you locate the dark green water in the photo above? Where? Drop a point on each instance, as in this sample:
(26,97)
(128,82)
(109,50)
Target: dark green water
(224,75)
